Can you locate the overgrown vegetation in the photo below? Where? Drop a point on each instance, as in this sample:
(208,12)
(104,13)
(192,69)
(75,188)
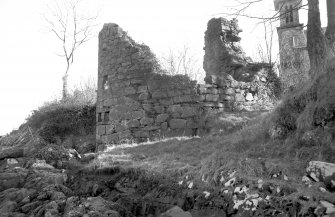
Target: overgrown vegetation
(73,116)
(308,107)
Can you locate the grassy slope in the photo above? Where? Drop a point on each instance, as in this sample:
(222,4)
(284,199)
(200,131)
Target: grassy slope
(248,149)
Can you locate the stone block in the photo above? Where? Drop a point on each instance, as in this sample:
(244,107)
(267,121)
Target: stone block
(191,124)
(104,139)
(234,84)
(136,81)
(129,90)
(201,98)
(173,93)
(141,134)
(101,129)
(176,115)
(126,134)
(187,91)
(112,138)
(151,128)
(212,91)
(177,123)
(162,118)
(166,101)
(229,91)
(244,85)
(175,109)
(227,97)
(153,85)
(212,97)
(138,114)
(143,96)
(159,109)
(110,129)
(142,89)
(182,99)
(249,97)
(133,123)
(239,98)
(164,126)
(147,107)
(159,94)
(146,121)
(188,111)
(202,90)
(110,102)
(119,127)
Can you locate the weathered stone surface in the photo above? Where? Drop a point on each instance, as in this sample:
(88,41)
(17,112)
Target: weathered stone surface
(249,97)
(162,118)
(133,123)
(164,126)
(146,121)
(229,91)
(139,102)
(177,123)
(322,170)
(159,109)
(143,96)
(138,114)
(189,112)
(212,97)
(12,152)
(159,94)
(222,54)
(142,134)
(176,212)
(101,129)
(175,109)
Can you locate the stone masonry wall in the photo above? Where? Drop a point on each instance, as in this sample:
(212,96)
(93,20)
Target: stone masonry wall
(137,101)
(237,83)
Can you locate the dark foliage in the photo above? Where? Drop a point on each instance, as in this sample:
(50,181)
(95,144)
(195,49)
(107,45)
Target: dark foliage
(55,123)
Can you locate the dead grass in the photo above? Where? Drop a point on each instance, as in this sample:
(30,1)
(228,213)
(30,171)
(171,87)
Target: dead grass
(248,150)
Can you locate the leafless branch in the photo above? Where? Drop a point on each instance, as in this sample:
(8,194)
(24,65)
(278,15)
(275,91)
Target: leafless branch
(70,27)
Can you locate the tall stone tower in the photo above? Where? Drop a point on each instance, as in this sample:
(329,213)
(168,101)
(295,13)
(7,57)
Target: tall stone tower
(294,61)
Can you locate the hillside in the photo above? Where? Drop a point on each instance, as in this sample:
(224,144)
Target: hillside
(249,164)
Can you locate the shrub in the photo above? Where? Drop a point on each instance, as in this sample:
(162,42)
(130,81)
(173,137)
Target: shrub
(56,120)
(308,106)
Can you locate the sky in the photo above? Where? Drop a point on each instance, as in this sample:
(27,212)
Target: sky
(31,70)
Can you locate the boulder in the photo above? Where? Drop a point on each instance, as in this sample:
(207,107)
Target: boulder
(249,97)
(321,170)
(13,178)
(176,212)
(12,152)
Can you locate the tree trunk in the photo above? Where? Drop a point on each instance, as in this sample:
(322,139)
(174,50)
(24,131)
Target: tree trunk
(330,32)
(316,41)
(65,88)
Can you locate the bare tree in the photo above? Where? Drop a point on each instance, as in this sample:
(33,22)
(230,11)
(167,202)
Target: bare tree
(71,29)
(265,49)
(316,42)
(181,62)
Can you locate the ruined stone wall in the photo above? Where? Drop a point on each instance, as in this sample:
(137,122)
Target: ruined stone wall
(137,101)
(238,83)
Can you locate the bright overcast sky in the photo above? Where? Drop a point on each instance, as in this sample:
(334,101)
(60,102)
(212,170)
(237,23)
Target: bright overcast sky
(30,70)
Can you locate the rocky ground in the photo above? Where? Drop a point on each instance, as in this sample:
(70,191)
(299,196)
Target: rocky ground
(39,179)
